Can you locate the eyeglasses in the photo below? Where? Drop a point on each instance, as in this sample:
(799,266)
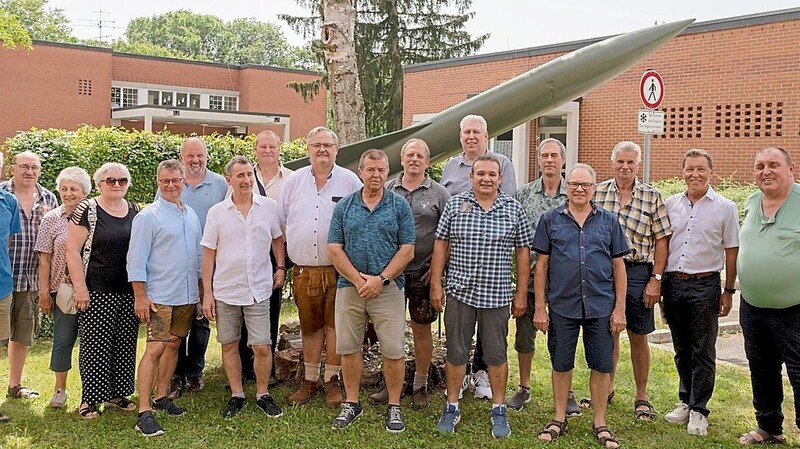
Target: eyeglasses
(585,185)
(166,182)
(112,180)
(25,167)
(317,146)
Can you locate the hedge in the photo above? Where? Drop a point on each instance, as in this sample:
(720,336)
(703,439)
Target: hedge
(141,151)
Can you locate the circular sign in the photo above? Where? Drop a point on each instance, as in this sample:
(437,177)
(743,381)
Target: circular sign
(651,89)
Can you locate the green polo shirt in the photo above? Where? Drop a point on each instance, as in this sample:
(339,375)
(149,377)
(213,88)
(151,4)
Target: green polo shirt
(769,253)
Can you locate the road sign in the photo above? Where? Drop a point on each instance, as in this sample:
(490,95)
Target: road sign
(650,122)
(651,89)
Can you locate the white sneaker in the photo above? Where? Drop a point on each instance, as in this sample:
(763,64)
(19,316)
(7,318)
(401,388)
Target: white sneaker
(59,399)
(482,388)
(680,415)
(698,424)
(466,384)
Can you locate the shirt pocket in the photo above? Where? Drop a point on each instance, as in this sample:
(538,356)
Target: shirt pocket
(788,242)
(262,233)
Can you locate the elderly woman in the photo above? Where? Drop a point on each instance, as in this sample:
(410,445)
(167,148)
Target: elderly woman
(73,185)
(107,325)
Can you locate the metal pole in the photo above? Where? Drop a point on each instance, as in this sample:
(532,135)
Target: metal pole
(647,158)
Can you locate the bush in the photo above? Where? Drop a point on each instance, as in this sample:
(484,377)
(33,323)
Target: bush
(726,187)
(141,151)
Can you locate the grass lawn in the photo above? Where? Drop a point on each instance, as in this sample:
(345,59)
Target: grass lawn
(35,425)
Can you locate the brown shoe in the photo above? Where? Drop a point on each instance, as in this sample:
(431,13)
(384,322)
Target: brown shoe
(308,390)
(379,398)
(175,388)
(419,400)
(333,395)
(194,384)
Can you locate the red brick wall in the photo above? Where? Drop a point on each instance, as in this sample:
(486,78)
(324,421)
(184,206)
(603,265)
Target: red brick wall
(175,73)
(750,66)
(40,88)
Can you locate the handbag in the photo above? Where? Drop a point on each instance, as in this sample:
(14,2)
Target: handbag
(65,298)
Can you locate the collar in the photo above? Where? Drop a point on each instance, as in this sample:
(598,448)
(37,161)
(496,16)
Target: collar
(426,181)
(228,201)
(330,175)
(170,205)
(39,189)
(383,198)
(710,194)
(564,208)
(538,186)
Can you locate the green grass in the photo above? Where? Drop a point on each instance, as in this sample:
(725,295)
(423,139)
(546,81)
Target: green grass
(35,425)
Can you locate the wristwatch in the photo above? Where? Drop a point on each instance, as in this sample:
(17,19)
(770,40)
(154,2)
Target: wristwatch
(384,280)
(657,276)
(730,290)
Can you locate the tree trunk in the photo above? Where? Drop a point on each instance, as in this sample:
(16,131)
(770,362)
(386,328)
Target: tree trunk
(338,30)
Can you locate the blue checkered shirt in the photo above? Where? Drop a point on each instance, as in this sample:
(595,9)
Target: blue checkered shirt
(24,261)
(481,247)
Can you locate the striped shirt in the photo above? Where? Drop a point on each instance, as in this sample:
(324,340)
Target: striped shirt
(644,219)
(24,261)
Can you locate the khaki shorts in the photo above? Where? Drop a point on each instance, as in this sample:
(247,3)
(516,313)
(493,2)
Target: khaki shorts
(167,321)
(387,313)
(255,316)
(315,295)
(5,318)
(24,317)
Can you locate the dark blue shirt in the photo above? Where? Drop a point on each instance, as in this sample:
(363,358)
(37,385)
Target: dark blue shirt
(580,271)
(371,238)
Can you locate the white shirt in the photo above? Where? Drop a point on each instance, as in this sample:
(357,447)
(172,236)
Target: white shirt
(273,187)
(701,233)
(243,271)
(305,213)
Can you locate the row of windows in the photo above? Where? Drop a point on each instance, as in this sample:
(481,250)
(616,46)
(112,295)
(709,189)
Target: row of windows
(123,97)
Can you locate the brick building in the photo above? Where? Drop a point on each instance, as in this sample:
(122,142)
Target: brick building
(65,86)
(732,87)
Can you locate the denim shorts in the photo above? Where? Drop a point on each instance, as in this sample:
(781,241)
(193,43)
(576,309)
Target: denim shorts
(598,343)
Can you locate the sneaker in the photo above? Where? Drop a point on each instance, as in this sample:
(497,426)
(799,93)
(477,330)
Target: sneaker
(59,399)
(235,405)
(333,394)
(573,408)
(379,398)
(166,404)
(308,390)
(394,419)
(680,415)
(698,424)
(450,417)
(500,427)
(419,399)
(194,384)
(268,406)
(147,425)
(350,412)
(482,388)
(466,384)
(518,400)
(175,388)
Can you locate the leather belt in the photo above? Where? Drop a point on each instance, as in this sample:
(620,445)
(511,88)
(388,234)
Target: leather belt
(687,276)
(630,263)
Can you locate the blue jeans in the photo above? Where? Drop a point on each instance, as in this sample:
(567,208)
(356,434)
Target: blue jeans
(772,338)
(692,308)
(65,332)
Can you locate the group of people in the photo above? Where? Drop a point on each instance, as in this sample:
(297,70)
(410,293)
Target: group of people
(585,257)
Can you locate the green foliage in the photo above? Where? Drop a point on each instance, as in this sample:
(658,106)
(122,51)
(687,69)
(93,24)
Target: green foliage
(12,33)
(726,187)
(140,151)
(41,23)
(145,48)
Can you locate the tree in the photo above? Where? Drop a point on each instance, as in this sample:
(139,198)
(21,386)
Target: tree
(390,34)
(41,23)
(338,32)
(12,33)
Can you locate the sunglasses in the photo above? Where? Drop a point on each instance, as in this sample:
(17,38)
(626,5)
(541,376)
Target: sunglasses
(112,180)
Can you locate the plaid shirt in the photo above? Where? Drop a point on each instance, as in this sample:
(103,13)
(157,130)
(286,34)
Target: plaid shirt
(644,219)
(481,244)
(24,262)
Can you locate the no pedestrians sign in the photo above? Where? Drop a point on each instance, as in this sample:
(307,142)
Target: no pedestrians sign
(651,89)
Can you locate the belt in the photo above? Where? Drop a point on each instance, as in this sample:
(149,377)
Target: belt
(687,276)
(630,263)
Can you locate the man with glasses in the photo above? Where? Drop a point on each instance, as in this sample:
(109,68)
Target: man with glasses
(34,201)
(164,269)
(306,204)
(202,189)
(580,277)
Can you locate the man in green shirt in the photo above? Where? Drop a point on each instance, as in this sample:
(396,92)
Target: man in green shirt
(769,266)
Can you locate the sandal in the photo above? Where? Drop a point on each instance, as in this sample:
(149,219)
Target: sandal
(88,411)
(122,403)
(20,392)
(750,438)
(587,402)
(644,414)
(555,429)
(603,439)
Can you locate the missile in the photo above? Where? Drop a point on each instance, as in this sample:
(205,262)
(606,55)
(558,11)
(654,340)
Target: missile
(519,99)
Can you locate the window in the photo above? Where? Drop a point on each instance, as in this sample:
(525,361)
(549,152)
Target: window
(215,102)
(123,97)
(231,104)
(180,99)
(166,98)
(116,97)
(194,101)
(153,97)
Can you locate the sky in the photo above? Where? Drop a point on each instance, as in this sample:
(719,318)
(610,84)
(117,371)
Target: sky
(513,24)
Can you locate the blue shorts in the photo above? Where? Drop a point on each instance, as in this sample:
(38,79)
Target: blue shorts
(598,344)
(640,319)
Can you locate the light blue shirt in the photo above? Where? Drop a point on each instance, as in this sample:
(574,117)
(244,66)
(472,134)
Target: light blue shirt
(165,253)
(204,195)
(10,223)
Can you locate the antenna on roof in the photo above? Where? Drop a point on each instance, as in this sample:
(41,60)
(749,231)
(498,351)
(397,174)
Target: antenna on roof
(99,23)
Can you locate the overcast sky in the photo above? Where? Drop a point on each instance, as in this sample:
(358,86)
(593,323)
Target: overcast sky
(513,24)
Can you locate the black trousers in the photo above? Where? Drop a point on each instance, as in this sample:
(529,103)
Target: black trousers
(772,338)
(692,307)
